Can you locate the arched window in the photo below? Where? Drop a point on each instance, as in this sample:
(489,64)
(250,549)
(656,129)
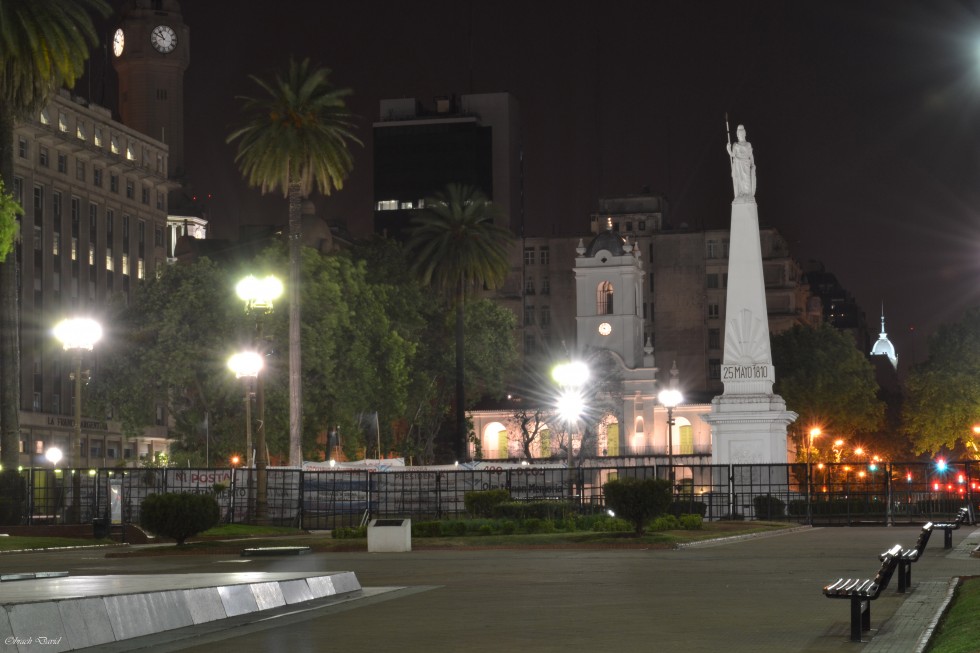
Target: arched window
(604,299)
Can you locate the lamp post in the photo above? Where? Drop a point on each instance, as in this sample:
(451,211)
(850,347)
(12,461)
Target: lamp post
(77,335)
(670,398)
(570,377)
(259,296)
(246,365)
(814,432)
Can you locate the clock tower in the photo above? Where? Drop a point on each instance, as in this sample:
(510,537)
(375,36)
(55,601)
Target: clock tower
(151,51)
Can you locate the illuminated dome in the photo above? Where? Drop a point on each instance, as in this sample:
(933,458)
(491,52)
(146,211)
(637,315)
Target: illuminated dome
(883,346)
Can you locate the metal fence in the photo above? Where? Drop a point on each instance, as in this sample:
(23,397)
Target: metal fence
(887,493)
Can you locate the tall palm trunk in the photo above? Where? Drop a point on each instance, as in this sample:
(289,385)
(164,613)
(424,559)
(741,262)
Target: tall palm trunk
(461,448)
(9,321)
(295,359)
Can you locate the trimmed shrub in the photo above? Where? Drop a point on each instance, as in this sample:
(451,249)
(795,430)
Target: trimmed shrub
(692,522)
(507,527)
(637,501)
(486,529)
(179,516)
(13,493)
(768,507)
(536,509)
(453,528)
(665,523)
(606,524)
(426,529)
(796,508)
(481,503)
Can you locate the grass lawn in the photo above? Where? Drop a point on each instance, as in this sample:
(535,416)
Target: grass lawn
(959,630)
(228,539)
(27,542)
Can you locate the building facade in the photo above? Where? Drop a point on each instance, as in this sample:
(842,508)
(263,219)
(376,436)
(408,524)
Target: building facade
(94,193)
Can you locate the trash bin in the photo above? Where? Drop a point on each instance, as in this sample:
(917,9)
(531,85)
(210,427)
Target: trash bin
(100,528)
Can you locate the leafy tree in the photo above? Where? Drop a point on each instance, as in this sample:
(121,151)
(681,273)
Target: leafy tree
(531,422)
(171,348)
(295,138)
(825,379)
(44,46)
(9,211)
(458,249)
(943,393)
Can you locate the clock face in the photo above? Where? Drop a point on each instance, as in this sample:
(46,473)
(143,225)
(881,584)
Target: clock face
(605,329)
(163,38)
(118,42)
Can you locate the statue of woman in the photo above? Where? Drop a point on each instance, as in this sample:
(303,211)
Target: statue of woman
(743,165)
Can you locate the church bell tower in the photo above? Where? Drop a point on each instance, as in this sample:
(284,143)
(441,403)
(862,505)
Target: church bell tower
(151,51)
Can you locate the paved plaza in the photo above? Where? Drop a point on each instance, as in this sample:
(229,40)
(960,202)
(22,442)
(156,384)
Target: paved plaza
(753,594)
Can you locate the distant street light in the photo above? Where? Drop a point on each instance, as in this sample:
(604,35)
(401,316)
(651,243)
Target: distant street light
(259,296)
(53,455)
(77,335)
(814,432)
(670,399)
(570,377)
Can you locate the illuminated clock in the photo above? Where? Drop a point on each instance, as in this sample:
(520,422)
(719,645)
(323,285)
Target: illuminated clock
(163,38)
(118,42)
(605,329)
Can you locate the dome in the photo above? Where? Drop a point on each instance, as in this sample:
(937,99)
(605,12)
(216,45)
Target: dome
(609,241)
(883,346)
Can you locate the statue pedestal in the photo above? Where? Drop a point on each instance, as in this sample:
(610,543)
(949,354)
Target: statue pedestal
(749,429)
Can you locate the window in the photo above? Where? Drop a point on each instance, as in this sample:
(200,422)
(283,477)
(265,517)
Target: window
(528,316)
(62,163)
(91,253)
(130,189)
(44,117)
(74,249)
(545,316)
(712,280)
(42,156)
(629,225)
(528,256)
(76,212)
(711,249)
(140,269)
(113,182)
(97,138)
(714,338)
(529,286)
(130,152)
(161,94)
(80,132)
(386,205)
(18,190)
(97,177)
(108,260)
(145,195)
(545,285)
(545,256)
(158,237)
(643,225)
(651,283)
(22,147)
(604,299)
(79,170)
(56,244)
(62,122)
(38,205)
(114,145)
(160,203)
(125,264)
(714,369)
(56,207)
(713,311)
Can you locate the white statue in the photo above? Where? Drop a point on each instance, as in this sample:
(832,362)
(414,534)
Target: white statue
(743,165)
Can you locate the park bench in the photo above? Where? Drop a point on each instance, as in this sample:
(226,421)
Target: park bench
(861,592)
(907,556)
(949,527)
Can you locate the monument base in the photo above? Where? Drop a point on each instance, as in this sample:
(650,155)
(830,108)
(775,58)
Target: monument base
(749,429)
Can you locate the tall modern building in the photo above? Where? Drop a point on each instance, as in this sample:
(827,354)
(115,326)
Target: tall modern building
(466,139)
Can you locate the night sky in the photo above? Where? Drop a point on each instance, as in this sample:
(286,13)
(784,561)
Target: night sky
(863,116)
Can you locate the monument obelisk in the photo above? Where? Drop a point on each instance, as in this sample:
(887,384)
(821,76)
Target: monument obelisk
(748,422)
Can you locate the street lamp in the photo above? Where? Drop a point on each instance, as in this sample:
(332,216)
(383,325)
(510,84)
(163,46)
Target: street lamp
(77,335)
(259,296)
(670,398)
(814,432)
(570,377)
(246,365)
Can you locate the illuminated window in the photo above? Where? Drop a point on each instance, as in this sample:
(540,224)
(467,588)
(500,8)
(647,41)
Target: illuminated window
(62,123)
(108,260)
(387,205)
(97,138)
(140,269)
(80,132)
(56,243)
(604,299)
(44,117)
(130,152)
(125,264)
(114,145)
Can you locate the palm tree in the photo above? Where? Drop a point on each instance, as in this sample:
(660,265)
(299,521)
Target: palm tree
(457,247)
(295,138)
(45,44)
